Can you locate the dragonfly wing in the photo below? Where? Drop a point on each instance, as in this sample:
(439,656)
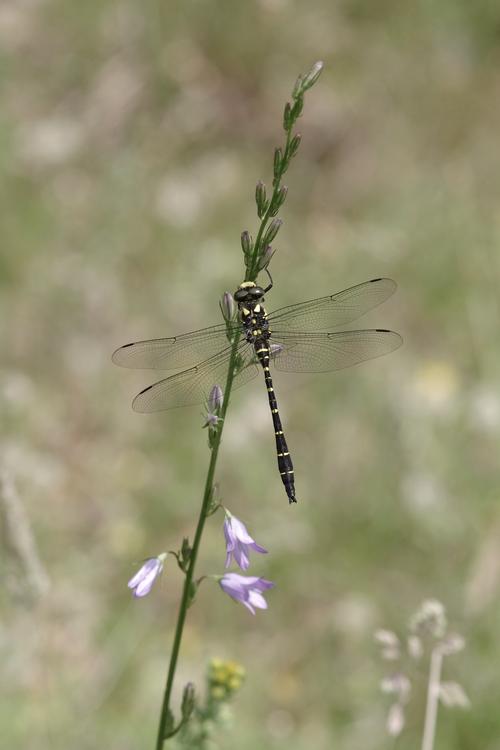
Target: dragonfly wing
(172,353)
(324,352)
(193,386)
(338,309)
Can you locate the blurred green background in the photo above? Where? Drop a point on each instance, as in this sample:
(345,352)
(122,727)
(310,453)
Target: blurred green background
(131,136)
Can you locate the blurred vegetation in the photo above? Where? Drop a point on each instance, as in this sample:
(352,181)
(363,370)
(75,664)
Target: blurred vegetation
(131,138)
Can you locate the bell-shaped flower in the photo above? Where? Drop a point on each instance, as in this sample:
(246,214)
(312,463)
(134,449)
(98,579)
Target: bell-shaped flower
(143,580)
(246,589)
(238,542)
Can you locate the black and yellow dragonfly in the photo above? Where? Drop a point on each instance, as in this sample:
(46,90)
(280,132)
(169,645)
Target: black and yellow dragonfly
(295,338)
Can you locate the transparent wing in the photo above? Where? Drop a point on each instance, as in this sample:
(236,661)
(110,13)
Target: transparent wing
(193,386)
(175,352)
(324,352)
(329,312)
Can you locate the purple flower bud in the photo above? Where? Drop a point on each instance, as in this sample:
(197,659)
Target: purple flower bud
(275,350)
(260,199)
(188,701)
(143,580)
(246,242)
(272,231)
(227,306)
(238,542)
(215,399)
(246,589)
(266,256)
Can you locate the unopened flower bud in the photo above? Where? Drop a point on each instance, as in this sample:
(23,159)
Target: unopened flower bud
(310,78)
(227,306)
(294,144)
(265,258)
(298,107)
(287,116)
(278,200)
(260,199)
(215,398)
(144,579)
(278,158)
(306,80)
(246,242)
(272,231)
(188,701)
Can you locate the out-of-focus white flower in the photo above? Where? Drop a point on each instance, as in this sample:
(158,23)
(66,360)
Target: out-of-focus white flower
(453,695)
(399,684)
(435,386)
(430,618)
(390,644)
(395,720)
(415,647)
(452,644)
(52,141)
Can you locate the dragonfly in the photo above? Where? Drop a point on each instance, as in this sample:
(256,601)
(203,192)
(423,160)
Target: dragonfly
(295,338)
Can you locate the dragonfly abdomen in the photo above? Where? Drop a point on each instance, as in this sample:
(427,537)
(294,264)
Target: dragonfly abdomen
(285,464)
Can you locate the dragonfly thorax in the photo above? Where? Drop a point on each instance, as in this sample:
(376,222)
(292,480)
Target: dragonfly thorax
(255,323)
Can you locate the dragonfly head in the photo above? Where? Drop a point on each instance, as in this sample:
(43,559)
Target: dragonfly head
(248,291)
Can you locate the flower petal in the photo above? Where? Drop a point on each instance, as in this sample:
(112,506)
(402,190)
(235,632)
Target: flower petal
(249,606)
(240,531)
(150,565)
(261,584)
(257,548)
(241,556)
(257,600)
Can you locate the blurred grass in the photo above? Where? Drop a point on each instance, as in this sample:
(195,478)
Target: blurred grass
(131,138)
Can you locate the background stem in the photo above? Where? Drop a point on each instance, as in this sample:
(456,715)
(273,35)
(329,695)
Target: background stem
(432,700)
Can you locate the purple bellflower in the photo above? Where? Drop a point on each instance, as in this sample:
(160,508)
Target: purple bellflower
(246,589)
(238,542)
(143,580)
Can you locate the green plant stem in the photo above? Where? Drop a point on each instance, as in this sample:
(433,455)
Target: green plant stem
(188,581)
(252,270)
